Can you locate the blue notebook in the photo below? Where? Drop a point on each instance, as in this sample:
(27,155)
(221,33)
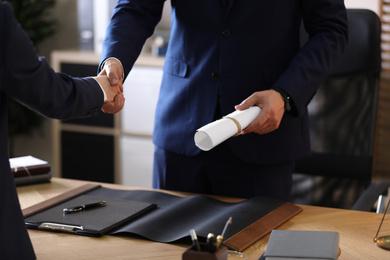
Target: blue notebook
(305,245)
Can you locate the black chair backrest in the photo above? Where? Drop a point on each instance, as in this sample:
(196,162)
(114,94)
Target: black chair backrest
(342,113)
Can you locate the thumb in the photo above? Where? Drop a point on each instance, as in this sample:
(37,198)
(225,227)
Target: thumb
(113,78)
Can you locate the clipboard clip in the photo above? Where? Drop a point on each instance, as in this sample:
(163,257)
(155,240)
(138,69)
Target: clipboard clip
(60,227)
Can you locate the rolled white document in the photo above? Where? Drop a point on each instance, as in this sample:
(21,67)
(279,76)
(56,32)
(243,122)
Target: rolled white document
(214,133)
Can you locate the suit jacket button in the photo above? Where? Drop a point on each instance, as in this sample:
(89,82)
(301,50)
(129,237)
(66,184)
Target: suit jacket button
(226,33)
(215,76)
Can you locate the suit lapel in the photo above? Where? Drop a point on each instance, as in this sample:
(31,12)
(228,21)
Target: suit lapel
(227,4)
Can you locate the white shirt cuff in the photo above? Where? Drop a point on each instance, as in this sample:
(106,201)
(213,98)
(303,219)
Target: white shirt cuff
(104,92)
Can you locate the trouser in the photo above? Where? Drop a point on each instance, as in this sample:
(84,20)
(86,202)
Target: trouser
(220,172)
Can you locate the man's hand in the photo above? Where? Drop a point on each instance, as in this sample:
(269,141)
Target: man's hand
(114,71)
(114,106)
(272,110)
(115,99)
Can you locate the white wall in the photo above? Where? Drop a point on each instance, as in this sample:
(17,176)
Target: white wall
(366,4)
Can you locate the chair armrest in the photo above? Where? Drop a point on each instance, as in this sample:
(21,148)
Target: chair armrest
(370,196)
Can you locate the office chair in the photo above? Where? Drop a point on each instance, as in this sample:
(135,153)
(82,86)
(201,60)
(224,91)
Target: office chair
(342,119)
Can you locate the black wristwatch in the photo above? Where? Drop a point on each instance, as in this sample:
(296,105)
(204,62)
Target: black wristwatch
(286,98)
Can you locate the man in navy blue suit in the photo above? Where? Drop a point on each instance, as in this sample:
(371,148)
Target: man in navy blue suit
(225,55)
(29,80)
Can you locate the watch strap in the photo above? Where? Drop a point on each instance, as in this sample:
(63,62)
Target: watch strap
(286,98)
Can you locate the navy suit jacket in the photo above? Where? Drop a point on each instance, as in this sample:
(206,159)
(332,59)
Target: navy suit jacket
(29,80)
(221,52)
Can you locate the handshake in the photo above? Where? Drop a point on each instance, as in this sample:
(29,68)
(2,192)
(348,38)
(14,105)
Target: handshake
(110,79)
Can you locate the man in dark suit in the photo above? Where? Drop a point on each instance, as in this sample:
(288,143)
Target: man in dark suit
(29,80)
(220,53)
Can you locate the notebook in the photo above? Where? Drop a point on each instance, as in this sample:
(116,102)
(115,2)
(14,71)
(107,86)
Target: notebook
(30,170)
(303,245)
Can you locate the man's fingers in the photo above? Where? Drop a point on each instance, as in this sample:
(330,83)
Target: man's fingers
(247,103)
(115,106)
(119,100)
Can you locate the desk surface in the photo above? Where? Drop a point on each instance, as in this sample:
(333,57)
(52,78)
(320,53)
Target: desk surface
(356,230)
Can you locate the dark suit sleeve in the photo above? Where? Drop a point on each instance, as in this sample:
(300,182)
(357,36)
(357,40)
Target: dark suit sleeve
(326,23)
(131,24)
(30,80)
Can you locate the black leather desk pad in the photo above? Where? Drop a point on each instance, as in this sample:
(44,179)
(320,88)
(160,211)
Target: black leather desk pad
(175,216)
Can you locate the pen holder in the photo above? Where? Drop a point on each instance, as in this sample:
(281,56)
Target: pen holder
(204,254)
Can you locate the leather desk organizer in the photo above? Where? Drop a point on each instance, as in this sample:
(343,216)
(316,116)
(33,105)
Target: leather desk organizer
(204,254)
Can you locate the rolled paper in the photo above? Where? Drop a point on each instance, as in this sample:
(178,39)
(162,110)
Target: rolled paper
(214,133)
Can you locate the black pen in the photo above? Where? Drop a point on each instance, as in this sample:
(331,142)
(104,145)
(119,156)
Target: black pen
(83,207)
(195,239)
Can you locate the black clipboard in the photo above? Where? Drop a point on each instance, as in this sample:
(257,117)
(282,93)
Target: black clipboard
(95,222)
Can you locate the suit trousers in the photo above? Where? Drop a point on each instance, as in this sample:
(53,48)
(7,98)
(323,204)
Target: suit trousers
(220,172)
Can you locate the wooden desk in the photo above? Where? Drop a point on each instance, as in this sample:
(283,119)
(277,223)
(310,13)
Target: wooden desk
(356,230)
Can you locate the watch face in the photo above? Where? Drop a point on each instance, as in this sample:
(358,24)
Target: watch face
(287,103)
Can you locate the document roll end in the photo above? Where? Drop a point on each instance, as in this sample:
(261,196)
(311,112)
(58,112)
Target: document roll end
(203,141)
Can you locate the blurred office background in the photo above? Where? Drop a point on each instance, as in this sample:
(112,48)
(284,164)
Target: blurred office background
(77,33)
